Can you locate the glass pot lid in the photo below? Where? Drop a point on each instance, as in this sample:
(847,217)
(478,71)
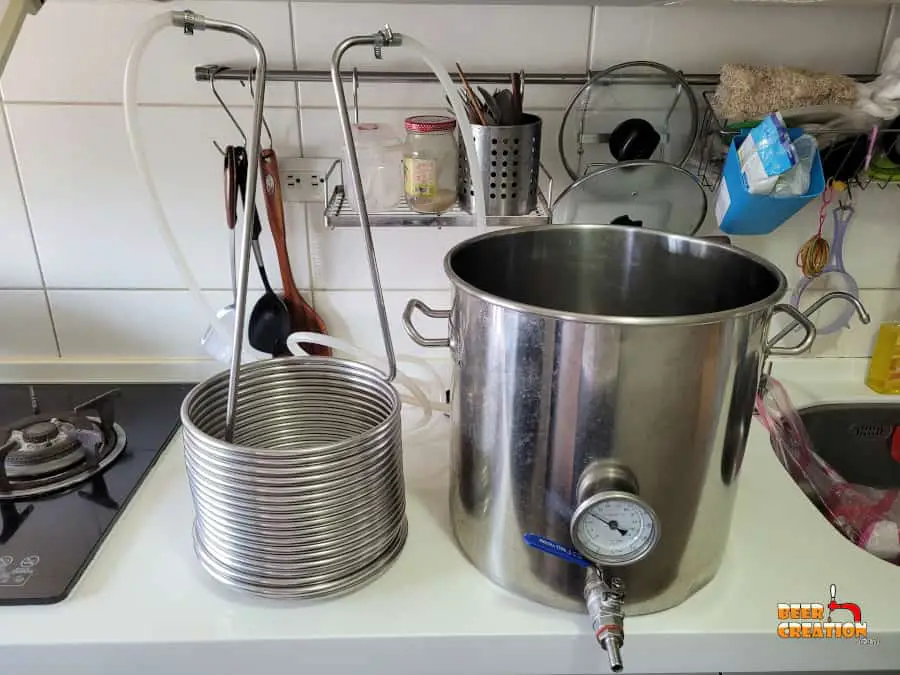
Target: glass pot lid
(643,193)
(633,110)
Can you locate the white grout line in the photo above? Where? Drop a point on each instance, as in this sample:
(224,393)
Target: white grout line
(119,104)
(269,108)
(132,289)
(95,289)
(7,128)
(323,289)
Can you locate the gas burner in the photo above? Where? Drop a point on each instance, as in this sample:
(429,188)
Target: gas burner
(43,445)
(49,453)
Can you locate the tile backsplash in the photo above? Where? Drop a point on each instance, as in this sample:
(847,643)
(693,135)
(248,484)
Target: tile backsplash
(85,273)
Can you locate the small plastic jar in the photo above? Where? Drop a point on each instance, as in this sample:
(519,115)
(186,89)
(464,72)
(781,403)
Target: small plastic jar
(430,160)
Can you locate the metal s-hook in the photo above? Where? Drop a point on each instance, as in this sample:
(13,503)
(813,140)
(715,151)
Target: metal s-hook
(249,84)
(212,82)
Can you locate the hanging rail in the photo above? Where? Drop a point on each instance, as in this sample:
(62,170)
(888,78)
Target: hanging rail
(203,74)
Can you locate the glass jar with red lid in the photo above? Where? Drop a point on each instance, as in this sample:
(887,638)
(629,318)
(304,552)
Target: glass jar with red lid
(430,158)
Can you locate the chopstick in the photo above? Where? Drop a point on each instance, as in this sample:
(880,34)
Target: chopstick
(476,104)
(484,110)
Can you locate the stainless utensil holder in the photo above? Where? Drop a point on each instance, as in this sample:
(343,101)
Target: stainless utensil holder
(511,157)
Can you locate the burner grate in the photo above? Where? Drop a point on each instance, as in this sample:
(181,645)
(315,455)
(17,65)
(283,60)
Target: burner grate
(44,454)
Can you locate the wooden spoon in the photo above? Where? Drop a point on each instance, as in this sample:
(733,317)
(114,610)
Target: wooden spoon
(303,316)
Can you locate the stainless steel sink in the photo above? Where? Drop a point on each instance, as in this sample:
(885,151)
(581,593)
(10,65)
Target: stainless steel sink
(855,439)
(861,441)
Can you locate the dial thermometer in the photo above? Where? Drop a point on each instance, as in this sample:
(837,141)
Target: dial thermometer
(613,527)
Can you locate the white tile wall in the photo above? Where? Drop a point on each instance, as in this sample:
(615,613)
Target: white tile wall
(87,213)
(90,211)
(353,316)
(128,323)
(111,286)
(857,339)
(701,39)
(483,37)
(76,51)
(30,333)
(20,263)
(871,247)
(116,324)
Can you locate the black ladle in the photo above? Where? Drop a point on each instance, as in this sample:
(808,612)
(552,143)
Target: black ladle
(270,321)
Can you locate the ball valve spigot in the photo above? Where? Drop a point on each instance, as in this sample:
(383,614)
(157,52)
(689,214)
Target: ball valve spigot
(605,596)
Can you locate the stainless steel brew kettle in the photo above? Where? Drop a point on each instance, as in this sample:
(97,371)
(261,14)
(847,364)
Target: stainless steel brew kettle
(603,387)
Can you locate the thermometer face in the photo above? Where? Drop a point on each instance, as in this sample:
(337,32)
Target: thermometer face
(614,528)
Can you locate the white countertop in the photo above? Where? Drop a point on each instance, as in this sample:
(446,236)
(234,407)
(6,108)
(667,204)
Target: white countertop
(144,606)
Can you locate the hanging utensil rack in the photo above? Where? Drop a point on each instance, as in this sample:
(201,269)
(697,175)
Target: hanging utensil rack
(717,133)
(203,74)
(714,132)
(340,211)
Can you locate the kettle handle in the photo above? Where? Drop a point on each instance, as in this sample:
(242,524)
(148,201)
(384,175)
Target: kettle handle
(412,331)
(804,322)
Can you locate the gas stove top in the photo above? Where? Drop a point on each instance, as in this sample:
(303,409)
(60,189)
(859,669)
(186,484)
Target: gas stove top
(71,457)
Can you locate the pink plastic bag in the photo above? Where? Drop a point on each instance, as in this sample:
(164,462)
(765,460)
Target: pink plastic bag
(869,517)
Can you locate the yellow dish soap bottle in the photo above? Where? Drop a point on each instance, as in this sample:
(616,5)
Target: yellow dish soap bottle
(884,368)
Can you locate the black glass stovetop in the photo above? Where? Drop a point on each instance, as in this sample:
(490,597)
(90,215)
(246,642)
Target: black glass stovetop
(47,542)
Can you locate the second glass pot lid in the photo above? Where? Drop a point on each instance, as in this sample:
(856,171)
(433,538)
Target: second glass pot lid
(633,110)
(643,193)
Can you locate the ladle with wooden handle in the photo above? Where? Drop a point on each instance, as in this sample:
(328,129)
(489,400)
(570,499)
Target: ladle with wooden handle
(303,316)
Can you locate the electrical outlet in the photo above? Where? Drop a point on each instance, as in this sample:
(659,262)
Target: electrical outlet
(302,186)
(303,179)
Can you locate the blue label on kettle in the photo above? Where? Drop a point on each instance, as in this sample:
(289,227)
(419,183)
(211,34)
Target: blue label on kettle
(556,549)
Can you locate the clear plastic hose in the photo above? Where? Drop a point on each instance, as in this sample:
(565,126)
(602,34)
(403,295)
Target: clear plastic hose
(418,398)
(132,68)
(462,120)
